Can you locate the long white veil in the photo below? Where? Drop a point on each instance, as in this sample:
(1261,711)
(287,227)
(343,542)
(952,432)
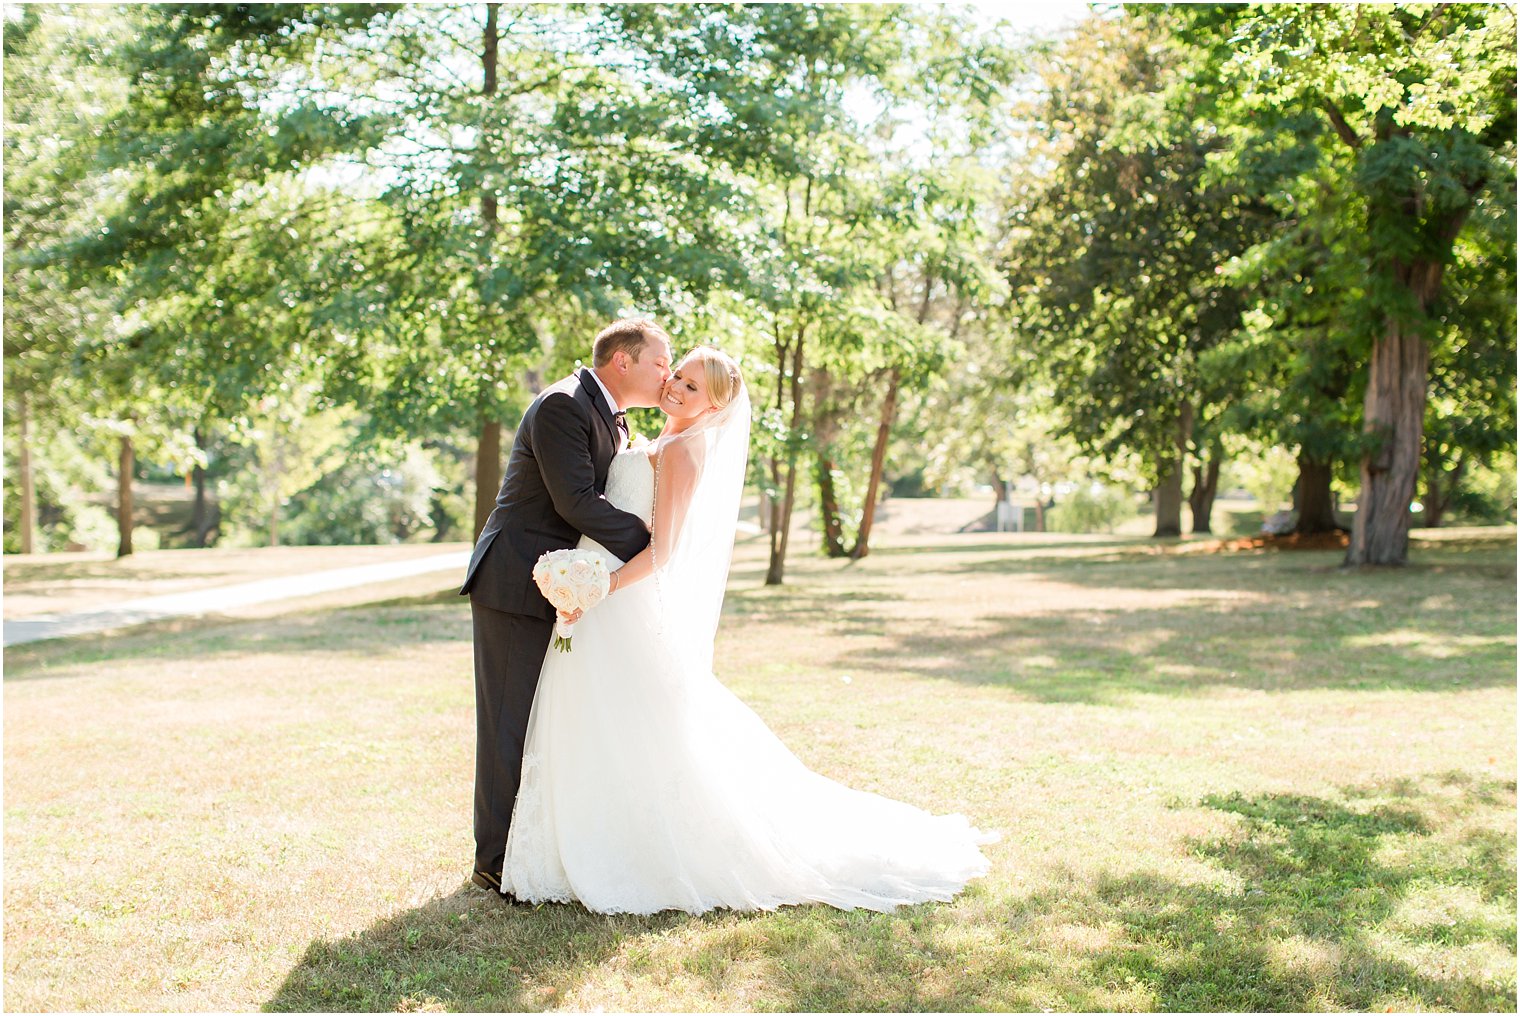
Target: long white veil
(696,514)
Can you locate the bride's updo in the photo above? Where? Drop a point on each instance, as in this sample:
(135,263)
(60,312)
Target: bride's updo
(720,374)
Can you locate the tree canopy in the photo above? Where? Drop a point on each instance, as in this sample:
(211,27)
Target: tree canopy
(1167,239)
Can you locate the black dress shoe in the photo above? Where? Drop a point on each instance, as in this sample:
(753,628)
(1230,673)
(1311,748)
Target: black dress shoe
(488,880)
(492,883)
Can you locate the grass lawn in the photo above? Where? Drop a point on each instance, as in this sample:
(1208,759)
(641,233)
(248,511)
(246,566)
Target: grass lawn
(65,583)
(1223,781)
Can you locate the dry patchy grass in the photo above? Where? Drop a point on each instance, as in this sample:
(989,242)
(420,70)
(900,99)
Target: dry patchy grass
(1223,782)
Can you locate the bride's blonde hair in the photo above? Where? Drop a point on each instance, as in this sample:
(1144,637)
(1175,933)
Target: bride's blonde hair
(720,373)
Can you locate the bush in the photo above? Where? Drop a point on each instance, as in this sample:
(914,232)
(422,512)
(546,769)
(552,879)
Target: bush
(1268,477)
(1091,508)
(90,527)
(1487,498)
(365,502)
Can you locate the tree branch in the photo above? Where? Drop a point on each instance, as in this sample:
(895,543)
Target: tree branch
(1430,19)
(1343,130)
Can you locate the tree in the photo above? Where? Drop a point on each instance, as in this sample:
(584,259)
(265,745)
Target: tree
(833,217)
(535,170)
(293,444)
(937,276)
(1295,359)
(1470,415)
(184,155)
(1118,256)
(54,93)
(1422,99)
(930,249)
(764,87)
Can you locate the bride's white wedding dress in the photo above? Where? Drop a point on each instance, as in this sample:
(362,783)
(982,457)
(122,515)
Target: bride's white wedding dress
(648,786)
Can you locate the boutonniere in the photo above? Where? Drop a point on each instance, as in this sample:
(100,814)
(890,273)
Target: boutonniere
(637,441)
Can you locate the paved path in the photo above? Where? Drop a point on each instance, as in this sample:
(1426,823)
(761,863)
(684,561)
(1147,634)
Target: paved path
(220,598)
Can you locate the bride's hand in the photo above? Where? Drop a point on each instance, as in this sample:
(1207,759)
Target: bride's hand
(565,618)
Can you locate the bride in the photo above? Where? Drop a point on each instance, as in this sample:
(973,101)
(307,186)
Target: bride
(646,784)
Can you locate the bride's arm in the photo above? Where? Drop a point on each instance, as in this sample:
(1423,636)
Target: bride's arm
(676,474)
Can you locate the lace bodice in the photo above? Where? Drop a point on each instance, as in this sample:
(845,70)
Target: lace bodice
(630,486)
(630,483)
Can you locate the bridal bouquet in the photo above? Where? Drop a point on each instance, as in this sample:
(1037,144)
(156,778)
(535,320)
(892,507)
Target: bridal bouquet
(571,580)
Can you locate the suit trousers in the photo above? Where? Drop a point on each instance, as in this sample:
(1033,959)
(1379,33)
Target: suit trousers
(509,653)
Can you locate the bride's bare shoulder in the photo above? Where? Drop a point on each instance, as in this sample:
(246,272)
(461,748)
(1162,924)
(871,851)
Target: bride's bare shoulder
(677,462)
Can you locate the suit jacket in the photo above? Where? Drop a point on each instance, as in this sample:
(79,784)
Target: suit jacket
(551,494)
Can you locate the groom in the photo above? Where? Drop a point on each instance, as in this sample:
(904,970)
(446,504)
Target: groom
(551,495)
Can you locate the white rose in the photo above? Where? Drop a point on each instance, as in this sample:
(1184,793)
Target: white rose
(588,596)
(563,599)
(581,572)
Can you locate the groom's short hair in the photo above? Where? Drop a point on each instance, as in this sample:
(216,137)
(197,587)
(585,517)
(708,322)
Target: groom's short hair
(627,335)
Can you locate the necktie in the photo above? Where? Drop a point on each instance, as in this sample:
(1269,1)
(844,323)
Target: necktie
(621,419)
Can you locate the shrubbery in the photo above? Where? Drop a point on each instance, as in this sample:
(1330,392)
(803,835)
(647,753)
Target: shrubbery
(1091,508)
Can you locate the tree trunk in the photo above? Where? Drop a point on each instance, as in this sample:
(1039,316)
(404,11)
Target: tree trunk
(28,482)
(781,514)
(825,429)
(487,472)
(878,465)
(126,466)
(1394,415)
(1169,479)
(781,524)
(275,474)
(828,507)
(1316,507)
(488,448)
(774,508)
(1393,412)
(488,56)
(1205,488)
(200,516)
(1168,499)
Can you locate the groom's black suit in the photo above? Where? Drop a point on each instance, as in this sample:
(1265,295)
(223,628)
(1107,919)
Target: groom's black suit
(552,494)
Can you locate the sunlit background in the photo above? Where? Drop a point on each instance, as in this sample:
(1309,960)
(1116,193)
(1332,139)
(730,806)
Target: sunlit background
(290,273)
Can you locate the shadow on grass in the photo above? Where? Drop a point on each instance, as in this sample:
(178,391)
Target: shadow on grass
(463,951)
(470,952)
(1318,905)
(1282,623)
(49,573)
(1062,542)
(1320,917)
(1099,657)
(1298,624)
(1151,567)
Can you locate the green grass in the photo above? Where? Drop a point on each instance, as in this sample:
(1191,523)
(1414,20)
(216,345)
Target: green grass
(1233,781)
(64,583)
